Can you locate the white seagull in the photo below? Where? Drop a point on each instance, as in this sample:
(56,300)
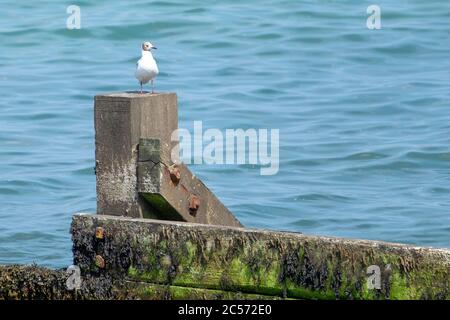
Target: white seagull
(146,68)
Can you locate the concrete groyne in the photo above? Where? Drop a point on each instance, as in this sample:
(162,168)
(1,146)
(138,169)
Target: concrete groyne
(160,233)
(152,259)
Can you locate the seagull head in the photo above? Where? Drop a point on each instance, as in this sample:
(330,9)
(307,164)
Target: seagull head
(147,46)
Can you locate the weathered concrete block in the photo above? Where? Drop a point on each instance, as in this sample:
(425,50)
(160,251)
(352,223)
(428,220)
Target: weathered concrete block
(174,192)
(33,283)
(134,166)
(121,119)
(38,283)
(292,265)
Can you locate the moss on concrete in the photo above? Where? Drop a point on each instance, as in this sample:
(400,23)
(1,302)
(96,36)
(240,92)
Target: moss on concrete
(146,259)
(33,282)
(148,291)
(260,262)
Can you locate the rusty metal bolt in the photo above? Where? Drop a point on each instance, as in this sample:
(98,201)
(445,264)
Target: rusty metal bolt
(99,261)
(99,233)
(194,204)
(175,174)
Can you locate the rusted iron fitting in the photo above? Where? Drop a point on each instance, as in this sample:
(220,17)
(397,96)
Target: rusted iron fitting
(99,233)
(175,174)
(99,261)
(194,204)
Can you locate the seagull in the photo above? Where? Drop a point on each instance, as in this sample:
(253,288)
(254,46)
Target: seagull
(146,68)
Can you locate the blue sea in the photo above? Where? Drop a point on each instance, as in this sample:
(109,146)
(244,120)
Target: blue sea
(364,115)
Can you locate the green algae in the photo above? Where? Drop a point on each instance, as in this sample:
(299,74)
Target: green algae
(271,263)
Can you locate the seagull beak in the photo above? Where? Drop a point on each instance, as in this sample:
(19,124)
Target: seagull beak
(154,48)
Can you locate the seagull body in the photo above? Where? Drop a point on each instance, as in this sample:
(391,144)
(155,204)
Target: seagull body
(146,68)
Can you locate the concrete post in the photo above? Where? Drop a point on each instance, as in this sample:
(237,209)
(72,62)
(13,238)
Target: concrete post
(135,173)
(121,119)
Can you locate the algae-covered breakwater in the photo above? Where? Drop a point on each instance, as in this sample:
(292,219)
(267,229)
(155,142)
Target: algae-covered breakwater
(126,258)
(201,251)
(276,264)
(33,282)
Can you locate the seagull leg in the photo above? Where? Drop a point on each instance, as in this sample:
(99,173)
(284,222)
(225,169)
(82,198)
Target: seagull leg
(141,85)
(153,91)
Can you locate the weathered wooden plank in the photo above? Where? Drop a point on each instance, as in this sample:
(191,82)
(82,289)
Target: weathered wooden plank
(257,262)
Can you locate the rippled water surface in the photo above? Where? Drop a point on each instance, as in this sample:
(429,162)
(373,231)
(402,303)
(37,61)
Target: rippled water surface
(364,115)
